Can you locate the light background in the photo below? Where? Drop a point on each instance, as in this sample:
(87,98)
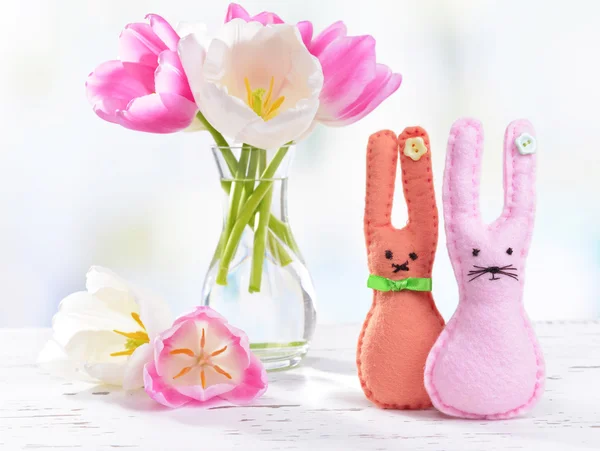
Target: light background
(76,191)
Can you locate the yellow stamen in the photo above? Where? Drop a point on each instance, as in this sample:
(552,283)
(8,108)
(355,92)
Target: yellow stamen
(137,319)
(120,353)
(273,111)
(134,339)
(269,93)
(220,370)
(202,340)
(220,351)
(248,91)
(263,108)
(183,372)
(257,101)
(203,379)
(134,335)
(185,351)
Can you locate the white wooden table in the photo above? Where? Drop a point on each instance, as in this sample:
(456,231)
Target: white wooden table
(317,406)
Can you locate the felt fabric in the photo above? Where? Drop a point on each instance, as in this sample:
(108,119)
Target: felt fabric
(401,326)
(487,363)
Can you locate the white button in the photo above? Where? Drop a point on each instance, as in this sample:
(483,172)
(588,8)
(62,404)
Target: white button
(526,144)
(415,148)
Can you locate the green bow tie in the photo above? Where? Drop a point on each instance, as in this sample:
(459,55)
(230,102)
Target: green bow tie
(412,283)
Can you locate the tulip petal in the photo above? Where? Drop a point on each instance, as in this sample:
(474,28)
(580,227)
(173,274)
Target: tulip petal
(113,84)
(198,393)
(83,312)
(267,18)
(133,377)
(94,346)
(90,352)
(226,113)
(235,11)
(285,127)
(384,85)
(200,312)
(54,359)
(139,44)
(170,77)
(348,66)
(107,373)
(164,31)
(306,32)
(254,384)
(154,311)
(192,55)
(158,113)
(98,278)
(161,392)
(172,338)
(327,36)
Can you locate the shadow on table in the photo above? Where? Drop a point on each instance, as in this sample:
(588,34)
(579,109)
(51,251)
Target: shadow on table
(136,400)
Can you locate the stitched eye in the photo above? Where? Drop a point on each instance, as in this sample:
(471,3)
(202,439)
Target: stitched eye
(476,252)
(413,256)
(509,251)
(389,255)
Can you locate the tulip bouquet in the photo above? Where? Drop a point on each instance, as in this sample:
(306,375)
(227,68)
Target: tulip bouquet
(259,82)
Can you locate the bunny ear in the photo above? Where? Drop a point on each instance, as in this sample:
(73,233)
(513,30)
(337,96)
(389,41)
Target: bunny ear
(520,146)
(417,179)
(382,159)
(462,172)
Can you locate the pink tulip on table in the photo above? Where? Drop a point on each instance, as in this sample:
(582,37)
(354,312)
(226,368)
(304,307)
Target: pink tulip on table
(203,357)
(354,83)
(146,89)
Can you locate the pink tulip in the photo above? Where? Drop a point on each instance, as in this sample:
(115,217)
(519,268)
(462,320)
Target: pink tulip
(354,83)
(236,11)
(146,89)
(203,357)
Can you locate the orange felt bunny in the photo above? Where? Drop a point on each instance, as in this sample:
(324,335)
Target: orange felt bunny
(403,322)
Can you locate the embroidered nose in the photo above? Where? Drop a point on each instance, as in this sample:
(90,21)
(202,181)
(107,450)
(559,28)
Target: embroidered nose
(402,267)
(494,269)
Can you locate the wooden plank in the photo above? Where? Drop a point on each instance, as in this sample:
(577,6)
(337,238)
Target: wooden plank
(318,406)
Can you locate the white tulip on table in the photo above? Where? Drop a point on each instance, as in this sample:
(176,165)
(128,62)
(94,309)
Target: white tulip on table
(103,334)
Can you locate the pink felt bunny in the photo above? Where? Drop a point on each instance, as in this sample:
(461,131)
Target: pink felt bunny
(487,362)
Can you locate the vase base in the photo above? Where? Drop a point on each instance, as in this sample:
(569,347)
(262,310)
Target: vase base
(280,356)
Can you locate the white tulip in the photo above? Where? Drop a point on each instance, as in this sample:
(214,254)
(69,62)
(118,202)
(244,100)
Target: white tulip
(103,335)
(257,84)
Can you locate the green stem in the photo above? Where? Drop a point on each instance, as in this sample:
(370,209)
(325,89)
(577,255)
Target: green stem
(262,165)
(279,253)
(260,242)
(221,144)
(235,195)
(283,232)
(246,213)
(250,175)
(257,164)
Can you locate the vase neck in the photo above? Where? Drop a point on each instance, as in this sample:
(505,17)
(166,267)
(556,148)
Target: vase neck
(251,163)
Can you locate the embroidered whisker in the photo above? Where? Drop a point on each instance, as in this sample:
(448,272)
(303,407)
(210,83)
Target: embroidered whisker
(479,270)
(479,275)
(514,276)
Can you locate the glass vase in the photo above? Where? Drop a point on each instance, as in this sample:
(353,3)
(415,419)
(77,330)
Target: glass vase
(257,278)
